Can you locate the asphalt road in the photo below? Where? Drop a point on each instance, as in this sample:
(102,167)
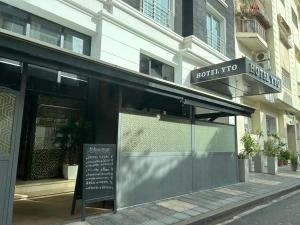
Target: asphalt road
(283,211)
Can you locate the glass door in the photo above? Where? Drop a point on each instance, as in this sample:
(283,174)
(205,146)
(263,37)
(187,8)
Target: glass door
(7,115)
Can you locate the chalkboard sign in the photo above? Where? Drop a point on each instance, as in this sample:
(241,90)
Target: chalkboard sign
(98,172)
(96,179)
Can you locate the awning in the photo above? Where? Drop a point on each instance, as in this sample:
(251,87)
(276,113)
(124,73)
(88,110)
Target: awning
(24,50)
(235,78)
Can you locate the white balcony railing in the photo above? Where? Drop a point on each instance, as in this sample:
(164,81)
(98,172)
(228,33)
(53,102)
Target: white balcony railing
(216,42)
(251,26)
(253,8)
(158,12)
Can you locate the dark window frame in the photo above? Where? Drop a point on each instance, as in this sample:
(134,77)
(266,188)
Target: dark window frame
(146,67)
(86,39)
(27,18)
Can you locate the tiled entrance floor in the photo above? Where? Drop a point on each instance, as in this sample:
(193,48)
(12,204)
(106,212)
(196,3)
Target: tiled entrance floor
(47,210)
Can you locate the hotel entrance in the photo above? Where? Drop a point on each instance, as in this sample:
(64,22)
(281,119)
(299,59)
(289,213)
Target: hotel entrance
(53,101)
(50,106)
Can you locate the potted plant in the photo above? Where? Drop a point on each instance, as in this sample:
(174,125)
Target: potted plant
(258,158)
(251,147)
(70,137)
(280,160)
(283,157)
(272,147)
(294,162)
(243,167)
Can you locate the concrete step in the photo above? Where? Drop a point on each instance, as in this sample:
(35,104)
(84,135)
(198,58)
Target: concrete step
(42,188)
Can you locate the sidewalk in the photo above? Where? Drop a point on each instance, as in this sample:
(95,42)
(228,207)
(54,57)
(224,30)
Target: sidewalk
(204,206)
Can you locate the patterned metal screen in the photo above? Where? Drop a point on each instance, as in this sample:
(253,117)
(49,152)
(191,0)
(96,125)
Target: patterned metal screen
(144,133)
(213,137)
(47,157)
(7,110)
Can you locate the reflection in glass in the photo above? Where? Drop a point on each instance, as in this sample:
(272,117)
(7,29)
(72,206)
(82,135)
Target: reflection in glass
(213,32)
(76,42)
(12,19)
(156,68)
(45,31)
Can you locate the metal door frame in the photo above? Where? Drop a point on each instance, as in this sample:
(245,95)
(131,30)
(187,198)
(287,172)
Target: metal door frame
(15,145)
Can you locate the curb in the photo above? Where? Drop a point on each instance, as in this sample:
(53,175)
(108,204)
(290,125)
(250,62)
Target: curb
(229,211)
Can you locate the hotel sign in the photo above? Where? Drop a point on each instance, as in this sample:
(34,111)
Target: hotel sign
(234,68)
(265,76)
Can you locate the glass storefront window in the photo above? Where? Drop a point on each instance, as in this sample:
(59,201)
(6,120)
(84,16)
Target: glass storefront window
(45,31)
(49,81)
(71,79)
(10,74)
(76,42)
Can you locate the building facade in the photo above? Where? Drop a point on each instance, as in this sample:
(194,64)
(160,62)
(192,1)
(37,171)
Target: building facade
(268,33)
(127,67)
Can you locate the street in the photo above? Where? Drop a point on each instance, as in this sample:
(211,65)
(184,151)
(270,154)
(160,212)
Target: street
(283,211)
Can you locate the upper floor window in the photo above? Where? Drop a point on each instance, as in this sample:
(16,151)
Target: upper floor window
(271,124)
(159,10)
(286,79)
(294,18)
(76,42)
(23,23)
(13,20)
(45,31)
(156,68)
(213,26)
(298,131)
(248,124)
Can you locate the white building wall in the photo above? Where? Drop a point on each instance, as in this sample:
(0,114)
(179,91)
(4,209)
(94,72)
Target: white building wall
(75,14)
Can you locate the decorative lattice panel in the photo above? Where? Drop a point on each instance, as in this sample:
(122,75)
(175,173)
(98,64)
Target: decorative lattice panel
(47,163)
(212,137)
(47,157)
(144,133)
(7,110)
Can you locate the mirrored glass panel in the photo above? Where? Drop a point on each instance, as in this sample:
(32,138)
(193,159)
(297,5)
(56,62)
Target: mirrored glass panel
(10,74)
(45,31)
(12,19)
(76,42)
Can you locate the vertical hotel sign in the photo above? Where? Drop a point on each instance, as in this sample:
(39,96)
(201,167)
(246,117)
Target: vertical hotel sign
(264,76)
(242,66)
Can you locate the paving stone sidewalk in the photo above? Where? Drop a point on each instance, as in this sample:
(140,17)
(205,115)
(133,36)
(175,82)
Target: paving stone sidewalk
(202,205)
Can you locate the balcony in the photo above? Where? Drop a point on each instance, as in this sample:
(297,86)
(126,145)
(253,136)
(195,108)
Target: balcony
(159,13)
(253,9)
(251,34)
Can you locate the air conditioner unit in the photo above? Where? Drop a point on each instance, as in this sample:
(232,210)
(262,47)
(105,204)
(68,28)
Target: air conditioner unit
(262,56)
(266,65)
(290,118)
